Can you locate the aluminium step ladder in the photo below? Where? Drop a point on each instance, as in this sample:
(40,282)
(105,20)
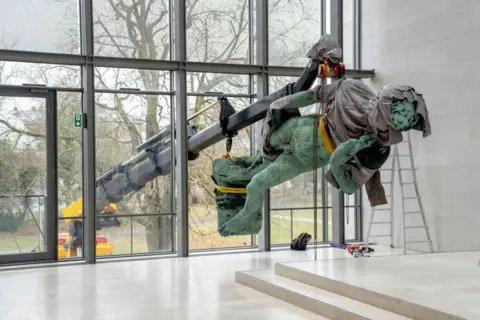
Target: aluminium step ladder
(408,200)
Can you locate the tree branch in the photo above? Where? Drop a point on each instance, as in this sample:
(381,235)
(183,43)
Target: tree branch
(32,134)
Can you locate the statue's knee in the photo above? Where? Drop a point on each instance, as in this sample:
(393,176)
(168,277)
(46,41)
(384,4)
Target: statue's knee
(254,187)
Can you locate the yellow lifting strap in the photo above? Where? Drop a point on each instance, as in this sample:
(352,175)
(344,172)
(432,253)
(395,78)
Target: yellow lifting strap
(231,190)
(326,138)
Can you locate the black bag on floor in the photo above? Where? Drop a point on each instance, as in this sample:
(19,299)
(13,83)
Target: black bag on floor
(300,242)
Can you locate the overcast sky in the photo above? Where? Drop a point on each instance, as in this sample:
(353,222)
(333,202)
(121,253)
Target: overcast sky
(37,25)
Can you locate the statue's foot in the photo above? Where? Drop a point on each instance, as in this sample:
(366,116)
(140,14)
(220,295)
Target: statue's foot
(244,223)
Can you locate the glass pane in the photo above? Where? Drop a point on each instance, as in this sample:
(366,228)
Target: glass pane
(123,122)
(287,224)
(217,31)
(203,211)
(217,82)
(19,73)
(278,82)
(348,33)
(118,240)
(350,223)
(138,79)
(69,162)
(293,28)
(281,226)
(22,175)
(296,194)
(132,29)
(40,25)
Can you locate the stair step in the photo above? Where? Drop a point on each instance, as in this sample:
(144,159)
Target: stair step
(324,303)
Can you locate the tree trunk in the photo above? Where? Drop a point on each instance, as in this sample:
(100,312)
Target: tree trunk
(158,192)
(159,234)
(158,229)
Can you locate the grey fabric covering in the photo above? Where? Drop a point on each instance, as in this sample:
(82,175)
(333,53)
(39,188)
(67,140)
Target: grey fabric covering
(326,46)
(277,113)
(356,110)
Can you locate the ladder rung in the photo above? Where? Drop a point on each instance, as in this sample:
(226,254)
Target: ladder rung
(380,235)
(381,222)
(412,212)
(409,198)
(409,183)
(407,169)
(403,155)
(383,209)
(414,227)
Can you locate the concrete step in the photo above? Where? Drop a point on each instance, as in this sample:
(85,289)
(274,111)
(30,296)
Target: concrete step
(321,302)
(321,275)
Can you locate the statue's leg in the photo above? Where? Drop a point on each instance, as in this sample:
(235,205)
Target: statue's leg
(234,171)
(284,168)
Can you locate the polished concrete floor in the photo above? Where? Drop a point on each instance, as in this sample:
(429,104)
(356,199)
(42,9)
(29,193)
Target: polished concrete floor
(190,288)
(448,282)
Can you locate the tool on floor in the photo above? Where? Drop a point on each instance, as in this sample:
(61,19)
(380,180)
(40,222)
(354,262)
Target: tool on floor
(357,250)
(408,200)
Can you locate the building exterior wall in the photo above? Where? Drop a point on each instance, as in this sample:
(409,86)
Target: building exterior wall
(433,46)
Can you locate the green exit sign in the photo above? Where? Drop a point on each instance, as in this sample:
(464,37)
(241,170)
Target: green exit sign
(78,120)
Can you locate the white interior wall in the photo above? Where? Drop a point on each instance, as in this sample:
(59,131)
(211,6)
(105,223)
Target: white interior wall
(433,45)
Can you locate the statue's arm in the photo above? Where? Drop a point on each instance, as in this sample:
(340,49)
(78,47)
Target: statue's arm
(342,154)
(303,98)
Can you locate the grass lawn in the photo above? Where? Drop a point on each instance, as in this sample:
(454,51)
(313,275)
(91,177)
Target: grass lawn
(203,234)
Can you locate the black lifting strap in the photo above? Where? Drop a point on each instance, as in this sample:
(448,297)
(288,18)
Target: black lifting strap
(226,110)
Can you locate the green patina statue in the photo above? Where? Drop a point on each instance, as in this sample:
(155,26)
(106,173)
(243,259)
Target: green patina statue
(354,138)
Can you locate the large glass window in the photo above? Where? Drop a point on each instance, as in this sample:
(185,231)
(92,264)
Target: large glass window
(69,162)
(52,75)
(134,100)
(23,133)
(125,118)
(22,174)
(293,27)
(292,202)
(348,33)
(218,31)
(204,89)
(132,29)
(123,122)
(40,25)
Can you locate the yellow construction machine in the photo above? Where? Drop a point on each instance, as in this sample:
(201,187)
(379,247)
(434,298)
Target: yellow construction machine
(70,243)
